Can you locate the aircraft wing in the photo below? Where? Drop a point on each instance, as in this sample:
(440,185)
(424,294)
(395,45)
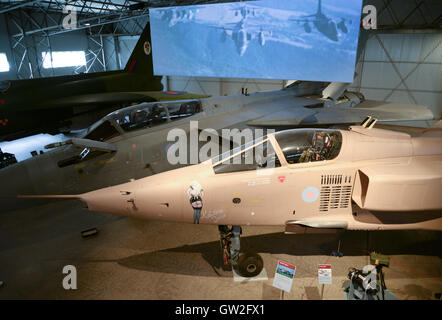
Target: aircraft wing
(302,19)
(305,116)
(85,143)
(118,98)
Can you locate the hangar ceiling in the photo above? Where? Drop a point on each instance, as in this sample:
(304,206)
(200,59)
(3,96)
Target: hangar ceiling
(392,14)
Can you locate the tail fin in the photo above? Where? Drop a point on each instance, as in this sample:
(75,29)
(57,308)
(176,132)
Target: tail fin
(319,7)
(140,60)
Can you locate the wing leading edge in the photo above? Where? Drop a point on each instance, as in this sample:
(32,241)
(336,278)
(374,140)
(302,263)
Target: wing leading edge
(308,116)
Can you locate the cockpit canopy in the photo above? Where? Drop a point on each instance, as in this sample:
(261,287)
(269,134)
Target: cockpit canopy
(141,116)
(309,145)
(297,146)
(151,114)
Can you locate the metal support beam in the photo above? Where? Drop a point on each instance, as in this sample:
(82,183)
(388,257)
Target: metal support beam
(21,5)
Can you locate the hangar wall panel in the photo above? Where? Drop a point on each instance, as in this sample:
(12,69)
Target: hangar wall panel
(220,87)
(6,48)
(126,46)
(402,68)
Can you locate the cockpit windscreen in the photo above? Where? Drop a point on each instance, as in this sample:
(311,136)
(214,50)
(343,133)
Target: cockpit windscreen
(300,146)
(246,158)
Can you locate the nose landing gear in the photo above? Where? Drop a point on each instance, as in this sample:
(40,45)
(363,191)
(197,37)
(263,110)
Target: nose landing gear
(247,264)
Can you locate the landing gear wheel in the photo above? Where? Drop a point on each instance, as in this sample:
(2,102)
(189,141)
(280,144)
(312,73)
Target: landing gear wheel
(250,265)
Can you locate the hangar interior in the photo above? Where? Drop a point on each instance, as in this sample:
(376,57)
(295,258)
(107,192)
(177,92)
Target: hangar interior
(401,61)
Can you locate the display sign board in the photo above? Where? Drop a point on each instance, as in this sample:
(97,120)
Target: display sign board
(270,39)
(325,274)
(284,275)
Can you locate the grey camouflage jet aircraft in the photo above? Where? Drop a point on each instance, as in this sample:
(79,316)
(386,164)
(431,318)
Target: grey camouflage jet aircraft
(323,24)
(131,143)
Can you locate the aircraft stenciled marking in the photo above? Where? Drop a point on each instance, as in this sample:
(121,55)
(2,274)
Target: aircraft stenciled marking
(310,194)
(214,215)
(107,161)
(281,179)
(258,182)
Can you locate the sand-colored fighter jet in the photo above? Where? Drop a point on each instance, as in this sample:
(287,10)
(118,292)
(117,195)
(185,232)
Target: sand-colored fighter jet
(363,178)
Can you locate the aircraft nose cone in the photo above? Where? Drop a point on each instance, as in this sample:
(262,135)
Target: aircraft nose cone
(112,200)
(158,197)
(170,196)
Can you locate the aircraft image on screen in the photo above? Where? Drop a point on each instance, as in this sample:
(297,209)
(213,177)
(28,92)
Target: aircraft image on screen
(131,143)
(241,32)
(363,178)
(323,24)
(76,101)
(242,39)
(177,15)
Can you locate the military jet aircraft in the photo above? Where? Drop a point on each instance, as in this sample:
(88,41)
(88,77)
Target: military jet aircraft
(322,23)
(132,143)
(241,35)
(251,27)
(76,101)
(177,15)
(363,178)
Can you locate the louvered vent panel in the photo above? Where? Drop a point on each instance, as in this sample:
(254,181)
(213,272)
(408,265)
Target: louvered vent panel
(345,197)
(334,195)
(325,198)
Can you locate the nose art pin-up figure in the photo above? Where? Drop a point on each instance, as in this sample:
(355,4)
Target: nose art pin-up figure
(195,193)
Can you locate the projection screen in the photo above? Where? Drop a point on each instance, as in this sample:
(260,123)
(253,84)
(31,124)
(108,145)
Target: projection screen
(271,39)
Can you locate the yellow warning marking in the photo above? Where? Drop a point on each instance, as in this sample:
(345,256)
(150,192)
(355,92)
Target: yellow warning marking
(107,161)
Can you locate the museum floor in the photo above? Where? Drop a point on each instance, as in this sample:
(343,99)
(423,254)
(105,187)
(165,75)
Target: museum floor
(135,259)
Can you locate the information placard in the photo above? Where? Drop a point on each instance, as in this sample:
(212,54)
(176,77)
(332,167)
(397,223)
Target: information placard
(324,274)
(284,275)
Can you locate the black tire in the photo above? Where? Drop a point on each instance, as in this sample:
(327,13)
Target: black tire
(250,265)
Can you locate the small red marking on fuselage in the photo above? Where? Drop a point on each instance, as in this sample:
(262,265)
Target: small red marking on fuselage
(132,65)
(281,179)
